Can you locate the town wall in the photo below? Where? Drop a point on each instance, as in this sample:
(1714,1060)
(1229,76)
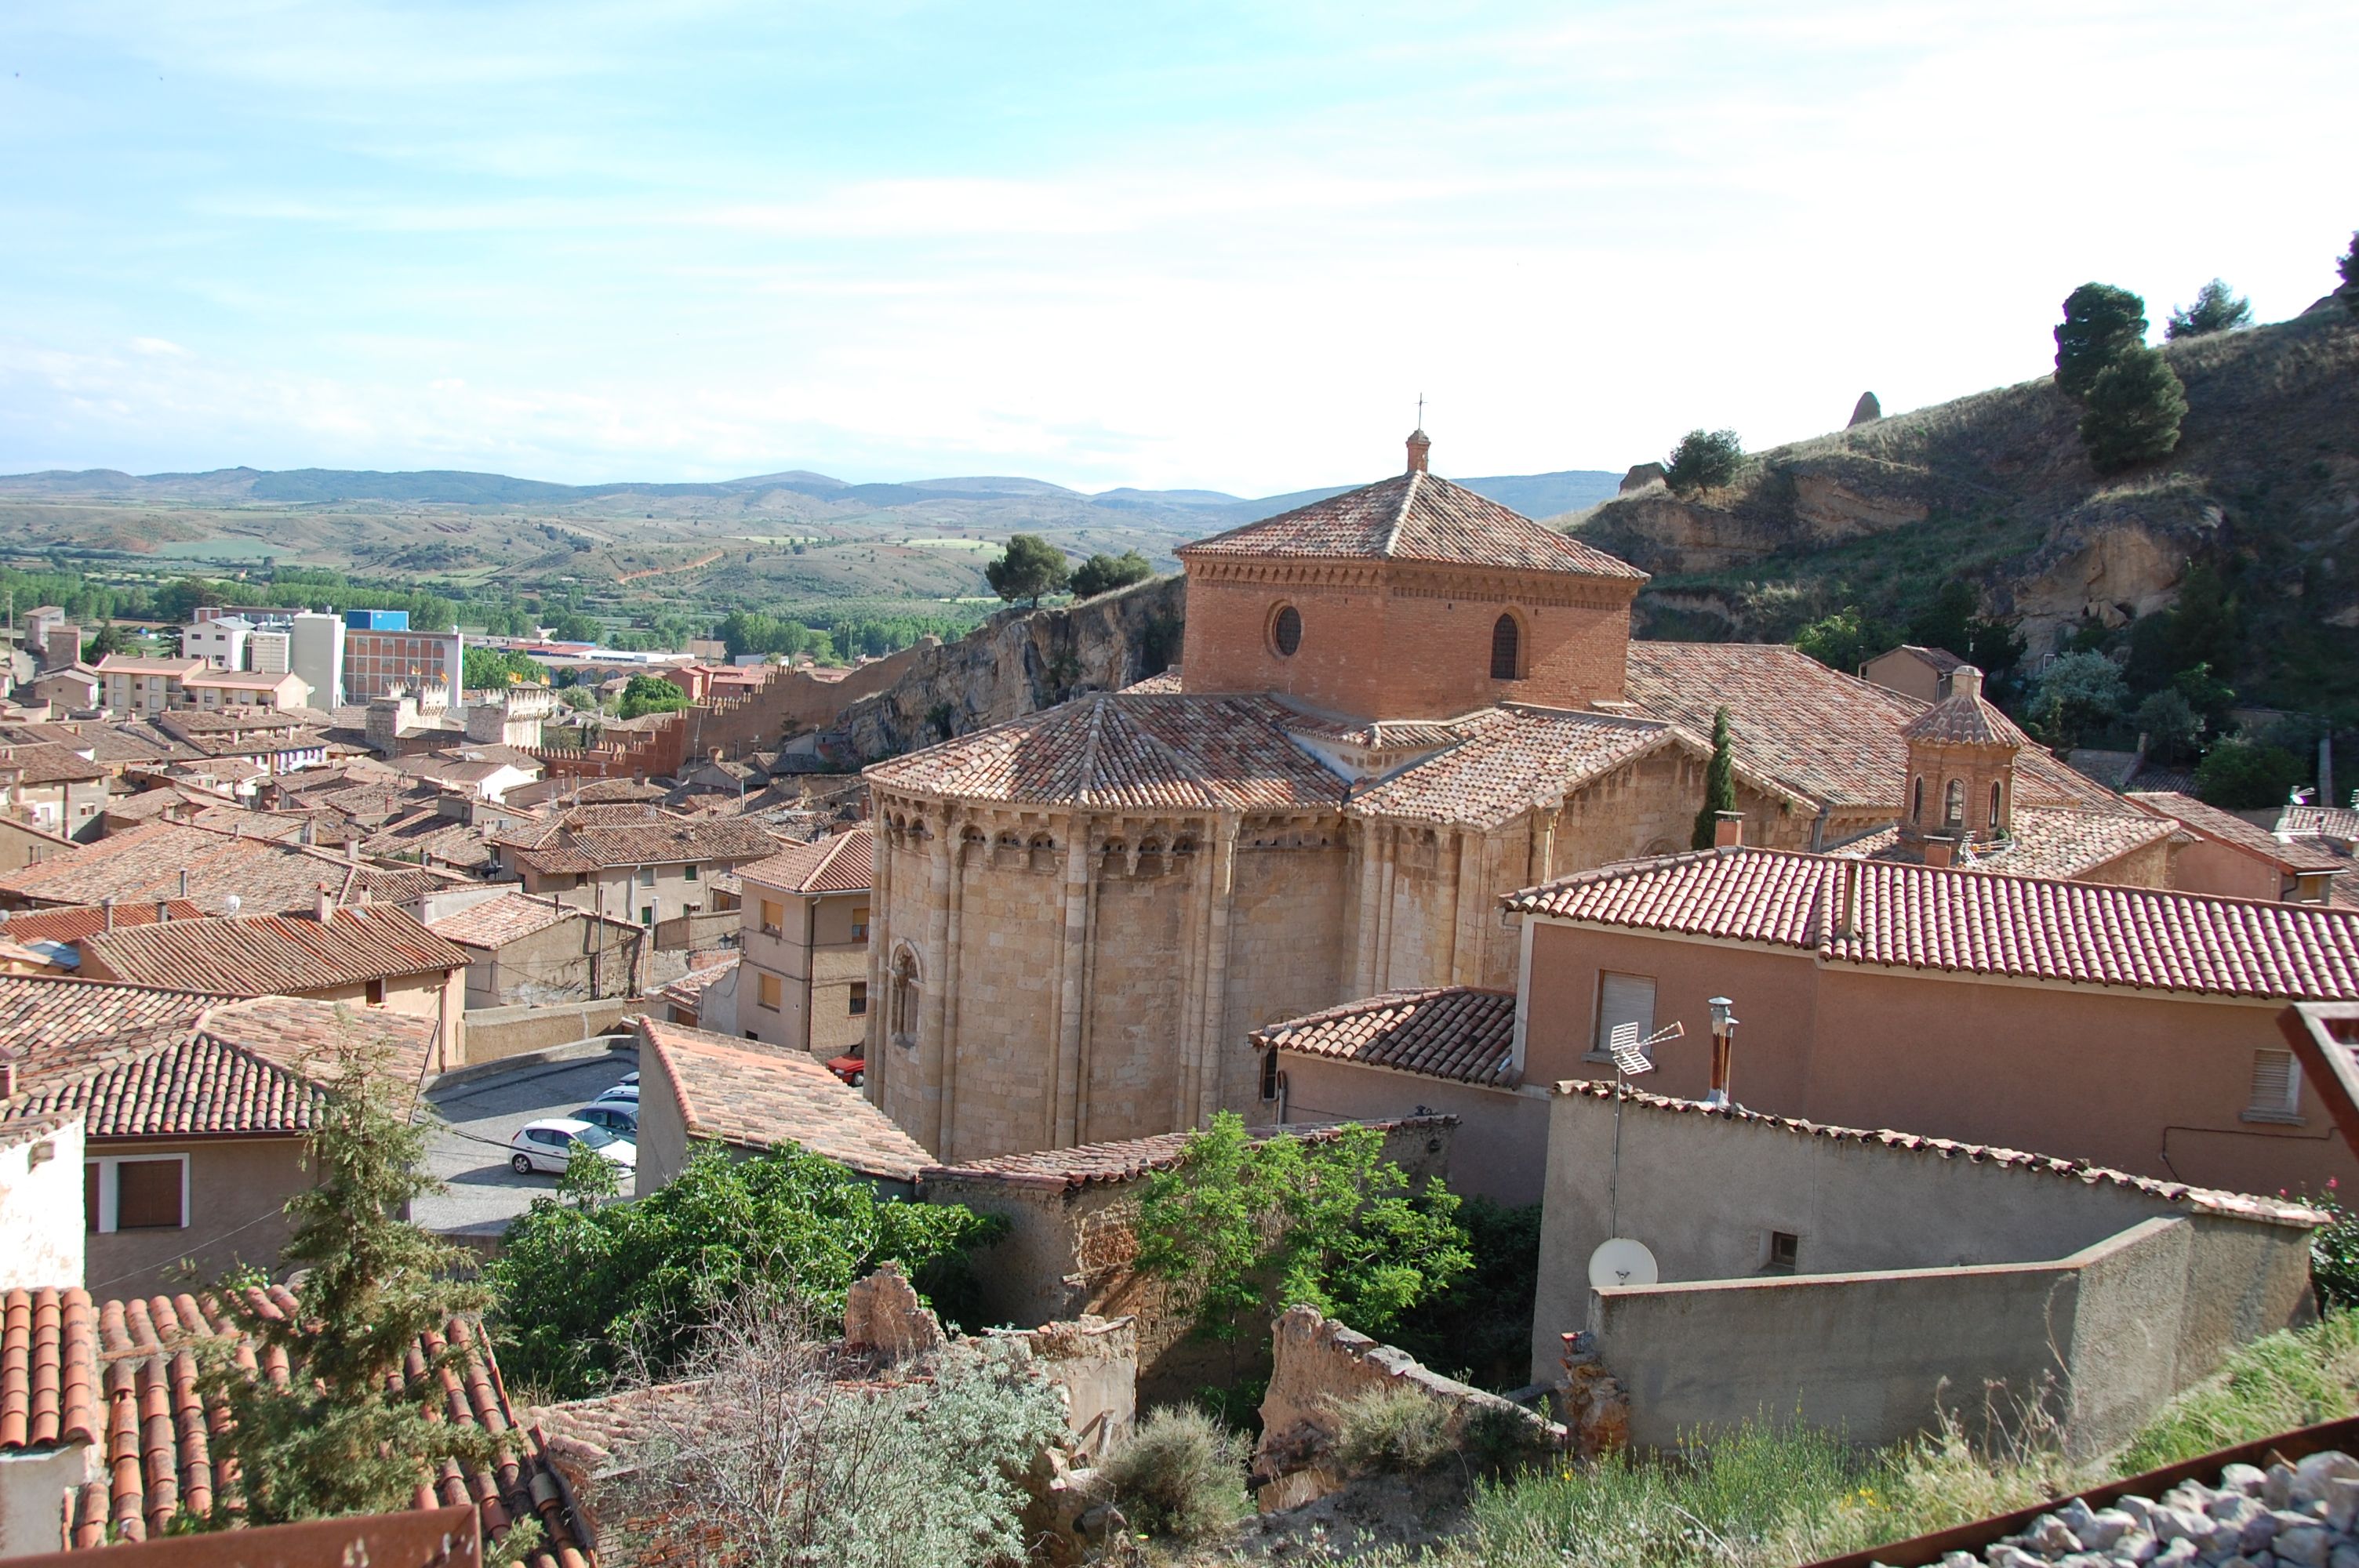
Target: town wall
(575,959)
(494,1033)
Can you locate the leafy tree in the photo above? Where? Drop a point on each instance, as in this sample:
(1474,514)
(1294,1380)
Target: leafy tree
(1845,640)
(1953,621)
(1240,1226)
(492,669)
(1702,460)
(2133,411)
(334,1436)
(1104,573)
(1719,784)
(2170,723)
(2217,308)
(2077,694)
(2243,775)
(2207,694)
(109,640)
(1479,1328)
(585,1290)
(1031,567)
(651,694)
(2101,323)
(179,599)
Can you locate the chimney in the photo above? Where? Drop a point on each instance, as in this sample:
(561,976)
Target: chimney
(1420,446)
(1728,829)
(1847,900)
(1966,681)
(184,882)
(106,910)
(7,1074)
(323,903)
(163,910)
(1723,1045)
(1938,849)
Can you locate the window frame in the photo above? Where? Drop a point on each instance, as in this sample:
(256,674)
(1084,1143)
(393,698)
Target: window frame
(2285,1111)
(769,992)
(1511,626)
(856,1000)
(1598,1036)
(106,1219)
(1278,629)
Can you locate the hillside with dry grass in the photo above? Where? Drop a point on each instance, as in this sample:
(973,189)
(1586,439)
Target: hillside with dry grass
(1995,490)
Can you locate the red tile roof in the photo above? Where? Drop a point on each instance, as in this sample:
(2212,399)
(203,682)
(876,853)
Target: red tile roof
(1962,922)
(48,1384)
(2046,841)
(2203,1200)
(261,955)
(761,1097)
(1966,717)
(1455,1032)
(55,1025)
(48,764)
(592,839)
(1089,1164)
(842,862)
(687,992)
(73,923)
(2226,827)
(496,922)
(147,863)
(1414,516)
(2320,821)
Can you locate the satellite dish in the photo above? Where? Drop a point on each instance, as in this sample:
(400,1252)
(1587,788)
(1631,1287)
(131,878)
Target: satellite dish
(1622,1262)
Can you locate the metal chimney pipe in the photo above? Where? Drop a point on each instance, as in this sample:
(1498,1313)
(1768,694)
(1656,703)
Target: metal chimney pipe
(1723,1042)
(184,882)
(163,910)
(106,910)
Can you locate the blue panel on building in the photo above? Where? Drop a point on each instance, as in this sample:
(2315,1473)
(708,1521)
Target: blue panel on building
(377,619)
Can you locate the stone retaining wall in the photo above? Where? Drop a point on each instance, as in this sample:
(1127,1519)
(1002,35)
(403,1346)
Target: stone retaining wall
(494,1033)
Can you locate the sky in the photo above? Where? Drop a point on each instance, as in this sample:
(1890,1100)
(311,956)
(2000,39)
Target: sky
(1164,245)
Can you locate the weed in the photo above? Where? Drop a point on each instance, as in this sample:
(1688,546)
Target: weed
(1391,1427)
(1180,1475)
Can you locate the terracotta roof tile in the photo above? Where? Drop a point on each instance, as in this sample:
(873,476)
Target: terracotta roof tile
(496,922)
(73,923)
(1962,922)
(2045,841)
(47,764)
(1966,717)
(54,1025)
(592,839)
(2228,828)
(147,863)
(2203,1200)
(842,862)
(48,1383)
(1088,1164)
(689,991)
(2320,822)
(263,954)
(1456,1032)
(759,1097)
(1414,516)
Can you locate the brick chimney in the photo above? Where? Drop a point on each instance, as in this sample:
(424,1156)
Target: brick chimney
(106,910)
(1728,829)
(1938,849)
(1420,446)
(7,1074)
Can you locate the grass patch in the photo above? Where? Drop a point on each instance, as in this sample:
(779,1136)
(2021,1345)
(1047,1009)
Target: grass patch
(1390,1428)
(1180,1476)
(2294,1378)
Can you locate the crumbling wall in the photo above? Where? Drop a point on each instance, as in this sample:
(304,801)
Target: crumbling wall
(1318,1365)
(1094,1361)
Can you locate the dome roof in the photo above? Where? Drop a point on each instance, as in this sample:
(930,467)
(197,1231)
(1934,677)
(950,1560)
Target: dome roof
(1965,718)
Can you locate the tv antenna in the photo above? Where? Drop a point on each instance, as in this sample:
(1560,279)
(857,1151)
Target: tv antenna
(1630,1060)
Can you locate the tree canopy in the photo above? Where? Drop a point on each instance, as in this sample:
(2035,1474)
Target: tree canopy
(2133,412)
(1719,784)
(494,669)
(2217,308)
(2347,269)
(2099,322)
(1103,573)
(1702,460)
(1031,567)
(651,694)
(583,1290)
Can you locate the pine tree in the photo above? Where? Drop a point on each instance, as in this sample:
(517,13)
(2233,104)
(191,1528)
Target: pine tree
(2101,323)
(2348,270)
(1719,784)
(1031,567)
(334,1437)
(2217,308)
(2133,409)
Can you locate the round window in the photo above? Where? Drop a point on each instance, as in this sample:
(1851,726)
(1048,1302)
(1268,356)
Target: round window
(1287,630)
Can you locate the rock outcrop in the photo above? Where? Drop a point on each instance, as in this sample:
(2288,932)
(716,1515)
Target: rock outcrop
(1866,411)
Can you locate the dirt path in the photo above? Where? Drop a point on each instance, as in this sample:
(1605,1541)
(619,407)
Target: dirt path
(704,560)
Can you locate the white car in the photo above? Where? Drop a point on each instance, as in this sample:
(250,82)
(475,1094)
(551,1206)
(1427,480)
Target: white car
(548,1145)
(625,1092)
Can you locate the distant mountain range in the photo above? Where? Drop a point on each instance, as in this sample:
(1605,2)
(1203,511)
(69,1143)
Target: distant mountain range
(1536,495)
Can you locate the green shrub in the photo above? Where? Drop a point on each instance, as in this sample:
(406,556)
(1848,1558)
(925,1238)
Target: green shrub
(1479,1330)
(2335,1254)
(1180,1475)
(1702,460)
(2246,775)
(1103,573)
(2135,407)
(2347,269)
(1391,1427)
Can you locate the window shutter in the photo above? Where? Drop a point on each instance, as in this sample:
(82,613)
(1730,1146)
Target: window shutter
(2276,1082)
(1623,998)
(148,1194)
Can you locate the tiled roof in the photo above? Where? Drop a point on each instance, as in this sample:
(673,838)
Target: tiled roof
(2228,828)
(1089,1164)
(55,1025)
(840,862)
(1940,660)
(47,764)
(1414,516)
(48,1366)
(156,1455)
(581,843)
(1114,749)
(1827,735)
(1964,717)
(496,922)
(2048,841)
(145,863)
(433,838)
(2203,1200)
(71,925)
(1962,922)
(758,1097)
(1455,1032)
(689,991)
(2320,822)
(126,664)
(261,954)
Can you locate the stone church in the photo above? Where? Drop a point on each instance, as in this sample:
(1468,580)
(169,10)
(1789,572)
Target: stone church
(1394,707)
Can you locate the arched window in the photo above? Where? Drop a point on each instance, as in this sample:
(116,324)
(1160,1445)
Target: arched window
(1916,800)
(1269,1075)
(1286,630)
(1994,806)
(1506,648)
(1953,804)
(908,995)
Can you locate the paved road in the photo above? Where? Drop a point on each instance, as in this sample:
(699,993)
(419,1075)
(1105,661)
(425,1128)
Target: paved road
(470,1152)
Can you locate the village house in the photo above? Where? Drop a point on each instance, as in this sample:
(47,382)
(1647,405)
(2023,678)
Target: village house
(211,690)
(372,955)
(484,773)
(632,862)
(684,1000)
(523,950)
(2233,857)
(802,978)
(1922,673)
(76,688)
(1082,916)
(748,1097)
(54,788)
(137,686)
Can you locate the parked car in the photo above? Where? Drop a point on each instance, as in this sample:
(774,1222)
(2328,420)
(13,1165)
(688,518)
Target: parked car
(625,1093)
(620,1118)
(630,1080)
(548,1145)
(852,1069)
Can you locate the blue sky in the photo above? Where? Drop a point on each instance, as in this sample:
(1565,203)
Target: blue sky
(1107,245)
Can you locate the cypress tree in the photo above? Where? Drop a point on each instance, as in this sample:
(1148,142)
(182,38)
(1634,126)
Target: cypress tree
(1719,782)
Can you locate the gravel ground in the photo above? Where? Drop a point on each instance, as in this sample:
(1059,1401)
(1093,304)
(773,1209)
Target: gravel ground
(471,1150)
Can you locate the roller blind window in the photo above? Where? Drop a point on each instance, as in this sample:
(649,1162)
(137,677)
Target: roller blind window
(1622,999)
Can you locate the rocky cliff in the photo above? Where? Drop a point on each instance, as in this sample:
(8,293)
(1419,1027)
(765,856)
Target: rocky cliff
(1015,662)
(1996,488)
